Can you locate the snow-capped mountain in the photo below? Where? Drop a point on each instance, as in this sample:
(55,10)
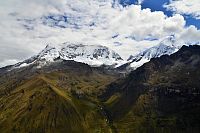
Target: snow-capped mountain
(94,55)
(166,47)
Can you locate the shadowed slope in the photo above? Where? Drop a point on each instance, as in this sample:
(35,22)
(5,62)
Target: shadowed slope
(161,96)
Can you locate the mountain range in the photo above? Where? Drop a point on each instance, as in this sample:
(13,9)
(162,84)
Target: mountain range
(94,55)
(161,96)
(97,55)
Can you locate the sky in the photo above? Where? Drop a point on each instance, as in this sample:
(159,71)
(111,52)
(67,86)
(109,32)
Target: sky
(126,26)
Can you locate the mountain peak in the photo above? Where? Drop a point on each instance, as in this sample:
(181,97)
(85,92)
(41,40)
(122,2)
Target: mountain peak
(169,41)
(94,55)
(167,46)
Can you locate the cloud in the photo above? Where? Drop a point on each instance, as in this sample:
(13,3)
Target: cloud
(140,1)
(25,30)
(190,35)
(2,63)
(186,7)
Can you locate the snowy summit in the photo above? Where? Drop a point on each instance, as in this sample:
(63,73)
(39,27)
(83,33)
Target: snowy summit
(167,46)
(93,55)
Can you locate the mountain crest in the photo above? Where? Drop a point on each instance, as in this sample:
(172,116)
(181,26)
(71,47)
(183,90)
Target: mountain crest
(167,46)
(94,55)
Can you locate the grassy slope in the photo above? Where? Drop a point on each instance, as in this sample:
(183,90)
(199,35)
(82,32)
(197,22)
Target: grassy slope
(53,102)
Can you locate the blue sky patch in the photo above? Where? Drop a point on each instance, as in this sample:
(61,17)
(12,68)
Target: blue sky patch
(157,5)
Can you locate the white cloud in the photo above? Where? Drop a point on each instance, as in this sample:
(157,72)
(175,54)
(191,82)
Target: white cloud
(190,35)
(8,62)
(187,7)
(140,1)
(129,26)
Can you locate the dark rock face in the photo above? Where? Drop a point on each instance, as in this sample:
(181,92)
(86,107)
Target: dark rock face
(166,90)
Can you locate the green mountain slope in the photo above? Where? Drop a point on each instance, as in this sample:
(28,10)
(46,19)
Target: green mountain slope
(54,101)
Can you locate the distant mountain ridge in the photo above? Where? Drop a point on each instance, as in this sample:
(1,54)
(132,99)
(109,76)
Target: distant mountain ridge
(167,46)
(93,55)
(97,55)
